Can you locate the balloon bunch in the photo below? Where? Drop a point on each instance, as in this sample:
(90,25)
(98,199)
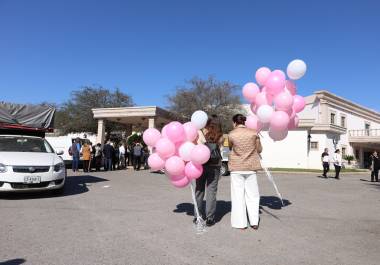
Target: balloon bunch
(175,150)
(275,103)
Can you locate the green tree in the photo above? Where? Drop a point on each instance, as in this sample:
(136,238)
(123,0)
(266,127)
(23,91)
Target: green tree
(215,97)
(75,115)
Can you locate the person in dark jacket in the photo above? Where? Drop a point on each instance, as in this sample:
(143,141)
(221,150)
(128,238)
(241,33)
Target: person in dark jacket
(108,152)
(207,184)
(137,155)
(75,152)
(375,167)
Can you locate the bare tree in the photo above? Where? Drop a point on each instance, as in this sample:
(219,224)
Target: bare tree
(75,115)
(215,97)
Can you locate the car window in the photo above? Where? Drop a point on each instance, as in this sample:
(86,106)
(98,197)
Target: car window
(24,144)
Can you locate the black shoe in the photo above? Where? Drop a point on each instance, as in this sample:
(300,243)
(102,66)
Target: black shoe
(210,222)
(337,178)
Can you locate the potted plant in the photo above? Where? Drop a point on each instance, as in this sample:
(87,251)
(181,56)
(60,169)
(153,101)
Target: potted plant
(349,158)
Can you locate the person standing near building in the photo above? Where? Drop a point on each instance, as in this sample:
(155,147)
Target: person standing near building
(75,153)
(375,167)
(137,154)
(337,163)
(244,162)
(108,153)
(98,156)
(211,136)
(121,156)
(325,162)
(86,155)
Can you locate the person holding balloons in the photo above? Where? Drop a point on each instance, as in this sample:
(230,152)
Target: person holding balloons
(244,162)
(212,137)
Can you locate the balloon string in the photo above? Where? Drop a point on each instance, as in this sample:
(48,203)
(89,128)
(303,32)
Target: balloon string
(200,224)
(194,200)
(271,179)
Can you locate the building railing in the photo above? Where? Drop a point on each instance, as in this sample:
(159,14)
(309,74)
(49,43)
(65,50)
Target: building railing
(365,133)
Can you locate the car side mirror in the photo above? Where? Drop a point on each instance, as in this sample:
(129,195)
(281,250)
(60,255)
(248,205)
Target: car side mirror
(60,152)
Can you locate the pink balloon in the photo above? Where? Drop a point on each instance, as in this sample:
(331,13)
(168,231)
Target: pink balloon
(291,87)
(278,135)
(163,131)
(175,166)
(253,123)
(299,103)
(293,123)
(265,126)
(155,162)
(175,178)
(276,82)
(279,121)
(200,154)
(253,108)
(151,136)
(262,75)
(193,171)
(250,90)
(191,131)
(181,183)
(291,113)
(165,148)
(263,98)
(283,101)
(175,132)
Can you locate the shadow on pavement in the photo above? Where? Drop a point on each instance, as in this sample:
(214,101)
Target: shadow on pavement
(366,180)
(224,207)
(74,185)
(13,262)
(273,202)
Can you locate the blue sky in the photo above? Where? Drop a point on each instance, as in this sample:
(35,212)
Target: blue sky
(147,48)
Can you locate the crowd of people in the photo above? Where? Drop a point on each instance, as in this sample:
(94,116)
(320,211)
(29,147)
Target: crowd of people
(110,156)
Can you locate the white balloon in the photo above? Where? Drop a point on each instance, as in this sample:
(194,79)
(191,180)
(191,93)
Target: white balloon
(296,69)
(185,151)
(199,119)
(264,113)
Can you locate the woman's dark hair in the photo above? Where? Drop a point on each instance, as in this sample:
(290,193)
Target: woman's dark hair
(239,119)
(214,130)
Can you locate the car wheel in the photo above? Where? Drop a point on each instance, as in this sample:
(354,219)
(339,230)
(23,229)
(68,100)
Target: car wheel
(224,169)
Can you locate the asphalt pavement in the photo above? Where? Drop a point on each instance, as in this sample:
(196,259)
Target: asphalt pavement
(128,217)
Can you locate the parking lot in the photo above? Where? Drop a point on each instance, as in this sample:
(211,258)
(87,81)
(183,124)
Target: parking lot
(127,217)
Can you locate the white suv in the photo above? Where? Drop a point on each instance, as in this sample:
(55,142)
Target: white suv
(29,163)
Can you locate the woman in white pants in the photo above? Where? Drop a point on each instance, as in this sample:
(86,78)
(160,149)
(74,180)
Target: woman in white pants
(244,162)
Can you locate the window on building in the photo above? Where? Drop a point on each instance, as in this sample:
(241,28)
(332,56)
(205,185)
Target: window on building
(332,118)
(343,121)
(343,151)
(314,145)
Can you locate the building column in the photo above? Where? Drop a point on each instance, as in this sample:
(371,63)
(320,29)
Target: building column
(152,123)
(324,112)
(101,131)
(361,157)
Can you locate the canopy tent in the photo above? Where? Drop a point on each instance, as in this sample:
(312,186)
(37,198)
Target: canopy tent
(33,117)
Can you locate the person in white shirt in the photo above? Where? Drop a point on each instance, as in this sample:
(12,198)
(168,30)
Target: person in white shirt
(325,162)
(122,159)
(337,163)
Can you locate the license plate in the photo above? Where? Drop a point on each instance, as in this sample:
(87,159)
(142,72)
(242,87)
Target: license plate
(32,179)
